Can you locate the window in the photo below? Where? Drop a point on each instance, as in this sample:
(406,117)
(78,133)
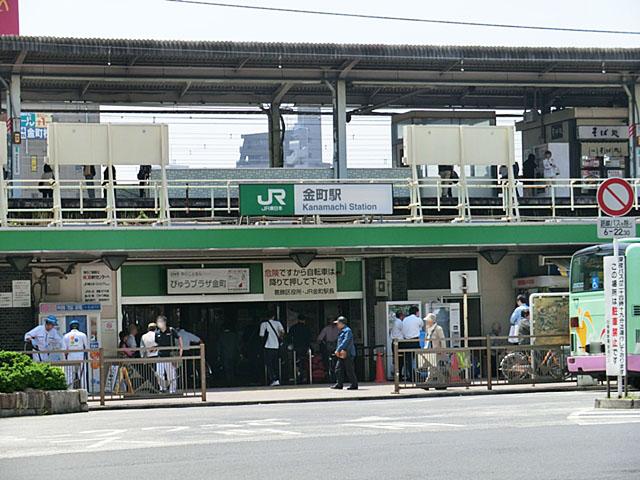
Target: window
(587,273)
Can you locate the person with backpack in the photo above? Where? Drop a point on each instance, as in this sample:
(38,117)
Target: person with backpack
(166,369)
(272,332)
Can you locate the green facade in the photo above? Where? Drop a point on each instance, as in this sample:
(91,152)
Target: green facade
(258,237)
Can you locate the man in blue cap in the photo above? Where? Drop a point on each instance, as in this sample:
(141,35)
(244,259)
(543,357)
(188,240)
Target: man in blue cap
(345,353)
(44,337)
(74,340)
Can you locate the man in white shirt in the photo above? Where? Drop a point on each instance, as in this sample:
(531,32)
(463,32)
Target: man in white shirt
(44,337)
(148,342)
(396,334)
(188,339)
(412,325)
(272,332)
(74,339)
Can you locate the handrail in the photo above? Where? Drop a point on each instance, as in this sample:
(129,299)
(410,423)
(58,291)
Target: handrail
(417,199)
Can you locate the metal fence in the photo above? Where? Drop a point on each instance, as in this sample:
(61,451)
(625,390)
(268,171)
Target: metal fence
(76,202)
(132,373)
(481,361)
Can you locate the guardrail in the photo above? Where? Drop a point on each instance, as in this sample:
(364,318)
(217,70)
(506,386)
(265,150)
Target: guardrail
(77,202)
(132,374)
(482,361)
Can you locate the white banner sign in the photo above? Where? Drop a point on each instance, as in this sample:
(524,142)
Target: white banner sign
(207,280)
(612,227)
(21,290)
(97,284)
(344,199)
(6,299)
(288,281)
(603,132)
(615,308)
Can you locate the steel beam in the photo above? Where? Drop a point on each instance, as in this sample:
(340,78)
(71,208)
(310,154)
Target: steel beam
(340,129)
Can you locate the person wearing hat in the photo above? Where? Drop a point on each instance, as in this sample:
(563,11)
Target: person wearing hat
(74,339)
(345,353)
(44,337)
(148,342)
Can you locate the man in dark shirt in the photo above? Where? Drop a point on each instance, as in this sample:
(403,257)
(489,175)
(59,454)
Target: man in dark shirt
(529,168)
(167,337)
(300,337)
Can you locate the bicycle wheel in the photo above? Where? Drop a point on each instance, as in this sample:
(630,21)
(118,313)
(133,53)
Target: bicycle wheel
(555,368)
(515,366)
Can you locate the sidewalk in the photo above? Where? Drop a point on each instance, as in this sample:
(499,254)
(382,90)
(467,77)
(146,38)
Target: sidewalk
(319,393)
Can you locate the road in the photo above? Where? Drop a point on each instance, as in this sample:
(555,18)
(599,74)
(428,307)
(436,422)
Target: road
(541,435)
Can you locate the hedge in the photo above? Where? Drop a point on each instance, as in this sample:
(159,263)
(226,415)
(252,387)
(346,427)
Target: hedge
(18,372)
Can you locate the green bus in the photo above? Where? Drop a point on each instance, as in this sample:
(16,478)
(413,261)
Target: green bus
(586,310)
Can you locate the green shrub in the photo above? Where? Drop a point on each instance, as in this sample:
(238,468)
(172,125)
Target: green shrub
(19,372)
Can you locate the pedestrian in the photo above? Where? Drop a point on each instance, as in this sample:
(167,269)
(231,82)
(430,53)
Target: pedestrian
(46,181)
(550,168)
(144,173)
(395,333)
(89,173)
(123,350)
(229,353)
(132,340)
(346,354)
(435,339)
(529,171)
(106,176)
(74,339)
(148,345)
(446,173)
(300,338)
(434,333)
(412,325)
(328,340)
(168,341)
(272,332)
(516,317)
(44,337)
(188,339)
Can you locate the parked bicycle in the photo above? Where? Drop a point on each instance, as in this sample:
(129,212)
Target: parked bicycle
(521,365)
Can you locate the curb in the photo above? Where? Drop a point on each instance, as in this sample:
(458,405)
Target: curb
(617,403)
(389,396)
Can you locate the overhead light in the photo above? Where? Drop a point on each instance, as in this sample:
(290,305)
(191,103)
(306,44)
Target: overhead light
(304,258)
(20,262)
(493,256)
(114,262)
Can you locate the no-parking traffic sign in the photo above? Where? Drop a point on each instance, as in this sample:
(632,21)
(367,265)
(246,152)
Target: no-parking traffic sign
(615,197)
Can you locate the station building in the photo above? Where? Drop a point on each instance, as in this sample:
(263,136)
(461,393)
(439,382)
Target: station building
(190,250)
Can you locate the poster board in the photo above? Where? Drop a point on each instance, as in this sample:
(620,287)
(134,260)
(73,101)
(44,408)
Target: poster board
(550,316)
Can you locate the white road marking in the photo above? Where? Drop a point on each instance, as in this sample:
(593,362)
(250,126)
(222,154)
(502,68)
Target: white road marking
(604,417)
(165,429)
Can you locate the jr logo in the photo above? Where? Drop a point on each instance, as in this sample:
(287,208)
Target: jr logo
(273,195)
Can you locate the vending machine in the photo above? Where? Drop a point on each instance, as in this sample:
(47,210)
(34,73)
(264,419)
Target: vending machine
(88,317)
(448,317)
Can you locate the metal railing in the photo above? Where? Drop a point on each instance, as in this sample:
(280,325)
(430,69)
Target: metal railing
(481,361)
(131,375)
(77,202)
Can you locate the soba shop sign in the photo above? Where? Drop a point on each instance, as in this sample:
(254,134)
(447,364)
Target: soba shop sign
(288,281)
(316,199)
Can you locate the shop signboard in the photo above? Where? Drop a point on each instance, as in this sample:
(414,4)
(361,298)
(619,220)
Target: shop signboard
(33,126)
(197,281)
(97,284)
(288,281)
(316,199)
(615,308)
(602,132)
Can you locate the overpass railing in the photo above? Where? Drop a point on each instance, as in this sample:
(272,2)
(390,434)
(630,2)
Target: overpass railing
(76,202)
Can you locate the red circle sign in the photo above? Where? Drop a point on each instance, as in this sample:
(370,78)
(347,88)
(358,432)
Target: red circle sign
(615,197)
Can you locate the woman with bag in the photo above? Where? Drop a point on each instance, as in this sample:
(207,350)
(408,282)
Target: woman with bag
(272,332)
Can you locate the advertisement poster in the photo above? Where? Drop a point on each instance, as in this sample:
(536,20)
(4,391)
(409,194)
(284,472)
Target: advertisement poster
(97,284)
(550,316)
(288,281)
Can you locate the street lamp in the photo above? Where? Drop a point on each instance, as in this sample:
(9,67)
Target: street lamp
(114,262)
(493,256)
(303,258)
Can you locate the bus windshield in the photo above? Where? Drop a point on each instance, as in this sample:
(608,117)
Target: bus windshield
(587,273)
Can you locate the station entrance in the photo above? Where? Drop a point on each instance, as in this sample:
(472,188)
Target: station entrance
(234,327)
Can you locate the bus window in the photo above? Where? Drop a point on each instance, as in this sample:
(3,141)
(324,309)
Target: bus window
(587,273)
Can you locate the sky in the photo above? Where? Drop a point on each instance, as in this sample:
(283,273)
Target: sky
(206,143)
(159,19)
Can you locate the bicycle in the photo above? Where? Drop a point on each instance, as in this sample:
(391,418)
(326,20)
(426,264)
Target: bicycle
(517,366)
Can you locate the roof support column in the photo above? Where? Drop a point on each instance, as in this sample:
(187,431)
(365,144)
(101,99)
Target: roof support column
(15,111)
(340,129)
(276,136)
(633,93)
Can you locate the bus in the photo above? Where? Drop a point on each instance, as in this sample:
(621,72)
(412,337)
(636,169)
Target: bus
(586,310)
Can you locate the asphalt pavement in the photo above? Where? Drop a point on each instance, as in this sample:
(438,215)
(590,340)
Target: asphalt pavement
(520,436)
